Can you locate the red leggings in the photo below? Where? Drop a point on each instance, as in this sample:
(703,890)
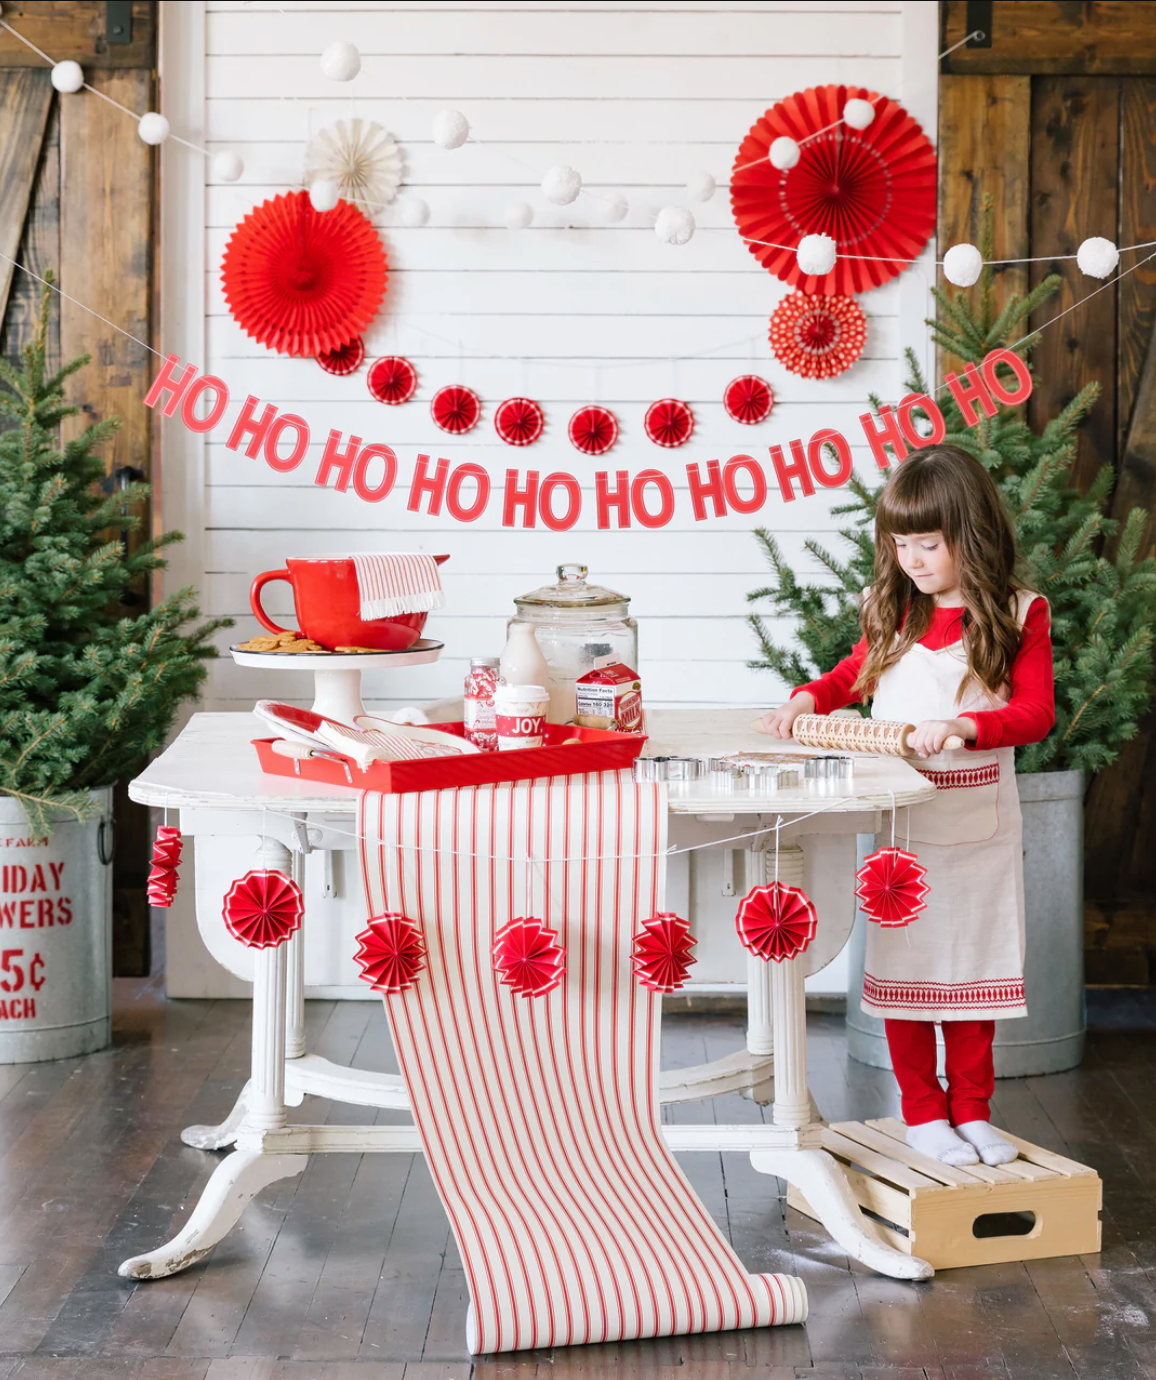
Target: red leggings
(970,1072)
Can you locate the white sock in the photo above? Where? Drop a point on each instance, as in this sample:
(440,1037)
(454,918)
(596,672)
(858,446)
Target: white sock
(992,1147)
(937,1139)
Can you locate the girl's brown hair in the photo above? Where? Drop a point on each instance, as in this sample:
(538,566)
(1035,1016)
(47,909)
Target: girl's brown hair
(943,489)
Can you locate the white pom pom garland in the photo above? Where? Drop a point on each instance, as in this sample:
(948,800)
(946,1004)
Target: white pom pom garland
(227,166)
(414,211)
(701,186)
(324,194)
(67,77)
(962,265)
(675,225)
(816,254)
(341,61)
(153,128)
(561,184)
(519,214)
(1097,257)
(784,153)
(451,129)
(614,207)
(858,114)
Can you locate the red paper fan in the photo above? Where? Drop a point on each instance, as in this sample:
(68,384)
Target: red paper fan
(748,399)
(162,886)
(593,430)
(817,337)
(669,423)
(392,380)
(661,954)
(262,909)
(167,847)
(456,409)
(528,957)
(166,858)
(300,282)
(519,421)
(391,953)
(871,190)
(346,359)
(777,921)
(892,887)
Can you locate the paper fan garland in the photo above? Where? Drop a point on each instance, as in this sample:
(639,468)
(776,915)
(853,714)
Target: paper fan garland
(669,422)
(166,858)
(593,430)
(817,337)
(360,157)
(872,190)
(346,359)
(392,379)
(391,953)
(748,399)
(892,887)
(661,954)
(528,958)
(301,282)
(519,421)
(776,921)
(262,909)
(456,409)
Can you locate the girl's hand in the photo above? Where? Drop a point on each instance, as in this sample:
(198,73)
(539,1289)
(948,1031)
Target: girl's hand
(779,722)
(930,735)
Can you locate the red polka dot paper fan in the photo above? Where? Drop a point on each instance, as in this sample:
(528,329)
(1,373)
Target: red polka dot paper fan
(892,887)
(748,399)
(392,379)
(301,282)
(817,337)
(777,922)
(528,958)
(593,430)
(262,909)
(391,953)
(872,190)
(669,422)
(519,421)
(346,359)
(456,409)
(661,954)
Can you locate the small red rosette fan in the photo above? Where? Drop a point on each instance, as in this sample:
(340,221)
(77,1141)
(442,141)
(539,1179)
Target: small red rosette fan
(456,409)
(661,954)
(669,422)
(301,282)
(528,958)
(593,430)
(892,887)
(776,921)
(872,190)
(519,421)
(392,379)
(346,359)
(262,909)
(748,399)
(166,858)
(391,953)
(817,337)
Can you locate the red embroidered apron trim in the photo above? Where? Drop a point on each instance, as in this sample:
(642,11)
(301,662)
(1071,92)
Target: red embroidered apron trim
(932,995)
(962,777)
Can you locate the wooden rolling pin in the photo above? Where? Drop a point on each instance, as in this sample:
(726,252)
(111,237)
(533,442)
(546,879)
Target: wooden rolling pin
(881,736)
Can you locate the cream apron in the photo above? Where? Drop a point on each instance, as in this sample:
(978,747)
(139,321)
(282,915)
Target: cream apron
(962,958)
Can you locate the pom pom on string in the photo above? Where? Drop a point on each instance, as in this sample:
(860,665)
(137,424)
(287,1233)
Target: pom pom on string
(701,186)
(67,77)
(262,909)
(816,255)
(891,887)
(593,430)
(323,194)
(519,421)
(561,184)
(962,265)
(776,922)
(340,61)
(748,399)
(391,953)
(1097,257)
(858,113)
(227,166)
(675,225)
(661,954)
(153,128)
(784,153)
(451,129)
(455,409)
(392,380)
(528,958)
(414,211)
(614,207)
(518,215)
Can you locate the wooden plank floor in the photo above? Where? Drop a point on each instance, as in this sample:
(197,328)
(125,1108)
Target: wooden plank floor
(349,1272)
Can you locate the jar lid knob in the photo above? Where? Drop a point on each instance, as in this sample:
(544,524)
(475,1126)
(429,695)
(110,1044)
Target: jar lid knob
(567,573)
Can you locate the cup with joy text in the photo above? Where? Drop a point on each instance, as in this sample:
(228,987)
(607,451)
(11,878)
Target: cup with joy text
(520,715)
(327,604)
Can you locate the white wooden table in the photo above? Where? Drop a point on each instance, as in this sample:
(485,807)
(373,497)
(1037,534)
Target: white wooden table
(210,775)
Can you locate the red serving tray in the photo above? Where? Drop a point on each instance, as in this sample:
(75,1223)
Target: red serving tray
(600,749)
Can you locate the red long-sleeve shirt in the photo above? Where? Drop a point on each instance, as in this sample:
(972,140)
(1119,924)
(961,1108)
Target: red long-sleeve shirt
(1031,709)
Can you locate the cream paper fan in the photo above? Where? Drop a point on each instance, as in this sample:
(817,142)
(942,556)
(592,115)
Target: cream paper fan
(360,156)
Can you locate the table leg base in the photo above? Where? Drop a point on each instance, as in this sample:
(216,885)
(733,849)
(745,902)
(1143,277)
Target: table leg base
(235,1182)
(222,1135)
(819,1177)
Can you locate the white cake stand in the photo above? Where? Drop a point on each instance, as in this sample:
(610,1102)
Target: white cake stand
(337,675)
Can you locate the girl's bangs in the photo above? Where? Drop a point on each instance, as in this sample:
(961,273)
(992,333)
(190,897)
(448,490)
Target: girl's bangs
(912,506)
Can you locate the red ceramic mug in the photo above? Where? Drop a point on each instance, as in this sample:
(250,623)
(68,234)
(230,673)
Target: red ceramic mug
(327,604)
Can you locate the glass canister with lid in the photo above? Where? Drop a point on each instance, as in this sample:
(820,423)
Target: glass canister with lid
(579,626)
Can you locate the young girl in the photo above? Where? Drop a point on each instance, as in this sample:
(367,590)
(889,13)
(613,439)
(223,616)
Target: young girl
(953,645)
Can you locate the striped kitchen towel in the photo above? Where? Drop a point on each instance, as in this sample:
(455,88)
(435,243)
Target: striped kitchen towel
(401,582)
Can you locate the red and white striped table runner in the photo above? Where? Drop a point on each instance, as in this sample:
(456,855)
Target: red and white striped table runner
(540,1116)
(403,582)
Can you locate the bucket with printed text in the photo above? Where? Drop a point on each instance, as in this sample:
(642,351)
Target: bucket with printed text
(55,935)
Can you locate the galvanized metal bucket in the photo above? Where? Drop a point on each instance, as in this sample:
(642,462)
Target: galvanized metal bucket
(55,935)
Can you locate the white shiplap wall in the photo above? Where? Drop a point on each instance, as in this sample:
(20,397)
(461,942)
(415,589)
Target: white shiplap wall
(637,96)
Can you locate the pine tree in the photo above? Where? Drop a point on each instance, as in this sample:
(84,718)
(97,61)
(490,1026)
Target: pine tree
(86,690)
(1103,607)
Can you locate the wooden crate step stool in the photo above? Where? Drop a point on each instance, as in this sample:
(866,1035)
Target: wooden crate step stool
(930,1209)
